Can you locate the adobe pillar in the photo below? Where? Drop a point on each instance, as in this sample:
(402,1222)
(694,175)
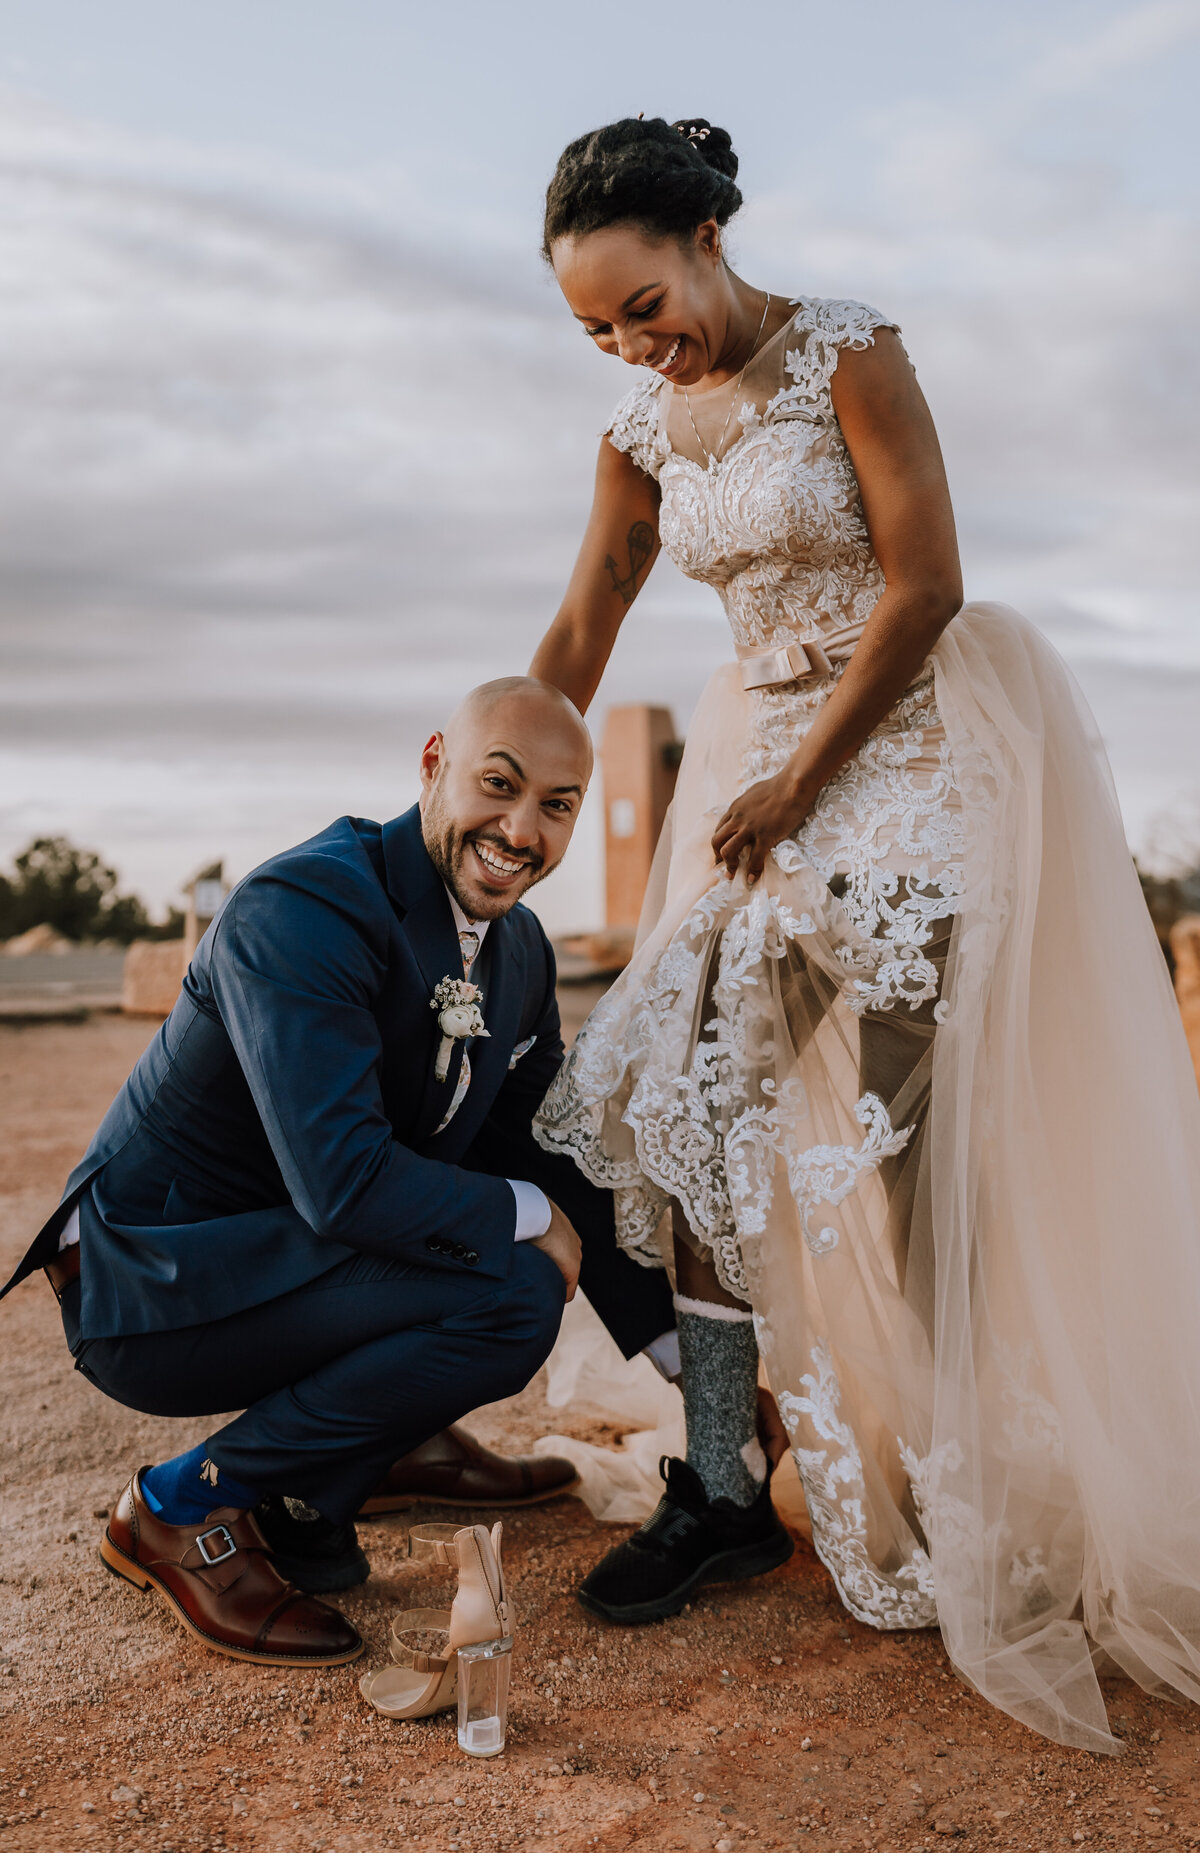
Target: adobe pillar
(639,757)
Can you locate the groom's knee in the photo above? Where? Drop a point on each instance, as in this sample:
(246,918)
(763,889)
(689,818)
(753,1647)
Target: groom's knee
(532,1310)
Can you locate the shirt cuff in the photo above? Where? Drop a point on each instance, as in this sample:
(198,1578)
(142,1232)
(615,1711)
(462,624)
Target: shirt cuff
(663,1353)
(533,1210)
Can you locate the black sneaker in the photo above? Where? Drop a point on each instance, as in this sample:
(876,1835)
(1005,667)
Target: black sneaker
(310,1551)
(686,1541)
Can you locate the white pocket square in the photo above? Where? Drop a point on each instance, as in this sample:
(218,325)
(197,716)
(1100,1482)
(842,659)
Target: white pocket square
(521,1049)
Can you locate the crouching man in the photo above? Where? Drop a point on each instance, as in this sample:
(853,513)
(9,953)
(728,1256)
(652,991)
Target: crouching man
(317,1198)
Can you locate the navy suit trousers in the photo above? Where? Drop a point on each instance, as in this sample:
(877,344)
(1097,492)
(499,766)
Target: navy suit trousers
(340,1376)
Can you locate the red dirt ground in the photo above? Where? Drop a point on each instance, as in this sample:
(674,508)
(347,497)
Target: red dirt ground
(764,1716)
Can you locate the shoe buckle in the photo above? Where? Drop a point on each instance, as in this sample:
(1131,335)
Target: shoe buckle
(226,1536)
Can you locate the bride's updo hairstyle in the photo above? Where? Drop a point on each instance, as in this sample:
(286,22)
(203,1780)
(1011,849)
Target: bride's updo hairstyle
(664,177)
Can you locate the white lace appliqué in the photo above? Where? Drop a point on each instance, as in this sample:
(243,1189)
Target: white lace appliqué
(835,1489)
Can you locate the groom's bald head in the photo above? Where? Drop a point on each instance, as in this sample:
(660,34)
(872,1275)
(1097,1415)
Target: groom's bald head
(501,788)
(524,700)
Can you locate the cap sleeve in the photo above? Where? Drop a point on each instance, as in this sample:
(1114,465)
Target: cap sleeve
(820,331)
(634,427)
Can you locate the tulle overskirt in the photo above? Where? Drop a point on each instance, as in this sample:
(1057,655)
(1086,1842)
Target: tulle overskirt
(958,1180)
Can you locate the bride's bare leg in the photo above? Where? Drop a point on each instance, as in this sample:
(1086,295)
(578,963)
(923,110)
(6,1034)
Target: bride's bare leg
(718,1353)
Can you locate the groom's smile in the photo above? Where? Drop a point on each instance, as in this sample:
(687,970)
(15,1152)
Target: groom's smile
(501,790)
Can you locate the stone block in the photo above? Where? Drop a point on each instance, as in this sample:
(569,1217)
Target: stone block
(1185,949)
(153,973)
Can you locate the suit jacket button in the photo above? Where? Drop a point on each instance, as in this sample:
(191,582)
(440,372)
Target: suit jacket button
(471,1257)
(459,1251)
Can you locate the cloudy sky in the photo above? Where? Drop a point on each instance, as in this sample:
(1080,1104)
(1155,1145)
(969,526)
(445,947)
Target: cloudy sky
(298,438)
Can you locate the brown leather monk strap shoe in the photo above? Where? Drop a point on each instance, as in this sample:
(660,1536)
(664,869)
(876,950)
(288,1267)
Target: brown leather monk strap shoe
(223,1586)
(453,1469)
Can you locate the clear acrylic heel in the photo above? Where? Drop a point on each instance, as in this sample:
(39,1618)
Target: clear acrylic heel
(483,1676)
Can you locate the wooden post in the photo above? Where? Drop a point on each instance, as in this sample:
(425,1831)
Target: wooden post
(205,892)
(640,758)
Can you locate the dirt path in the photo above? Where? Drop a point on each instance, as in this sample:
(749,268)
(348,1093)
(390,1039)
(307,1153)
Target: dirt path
(764,1716)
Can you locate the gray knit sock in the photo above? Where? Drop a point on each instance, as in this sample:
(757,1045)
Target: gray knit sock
(719,1354)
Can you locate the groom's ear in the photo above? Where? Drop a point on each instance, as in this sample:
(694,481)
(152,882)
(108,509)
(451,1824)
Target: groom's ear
(433,758)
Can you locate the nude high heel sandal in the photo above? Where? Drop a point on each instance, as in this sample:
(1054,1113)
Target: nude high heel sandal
(425,1678)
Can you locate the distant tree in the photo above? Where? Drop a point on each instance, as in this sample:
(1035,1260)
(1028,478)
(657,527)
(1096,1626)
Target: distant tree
(1168,898)
(75,892)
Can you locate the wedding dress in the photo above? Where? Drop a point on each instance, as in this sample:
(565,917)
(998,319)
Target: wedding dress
(922,1092)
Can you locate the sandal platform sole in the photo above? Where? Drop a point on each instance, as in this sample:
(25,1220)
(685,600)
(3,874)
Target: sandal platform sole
(114,1559)
(726,1567)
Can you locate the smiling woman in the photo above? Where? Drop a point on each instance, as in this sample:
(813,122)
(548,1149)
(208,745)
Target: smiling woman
(855,1082)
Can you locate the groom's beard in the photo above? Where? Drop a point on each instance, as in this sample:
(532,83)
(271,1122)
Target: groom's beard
(449,849)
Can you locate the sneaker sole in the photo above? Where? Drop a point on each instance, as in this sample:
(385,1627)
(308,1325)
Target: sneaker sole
(725,1567)
(114,1559)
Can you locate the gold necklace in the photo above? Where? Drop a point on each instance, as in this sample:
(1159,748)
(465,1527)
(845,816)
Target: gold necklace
(712,455)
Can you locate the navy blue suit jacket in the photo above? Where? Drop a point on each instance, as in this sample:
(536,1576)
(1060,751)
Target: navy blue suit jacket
(286,1114)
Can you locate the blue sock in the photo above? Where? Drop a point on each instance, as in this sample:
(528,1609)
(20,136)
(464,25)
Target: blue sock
(185,1490)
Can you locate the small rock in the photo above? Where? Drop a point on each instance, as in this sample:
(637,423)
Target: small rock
(240,1804)
(726,1845)
(806,1743)
(460,1801)
(776,1659)
(698,1796)
(89,1807)
(99,1511)
(125,1794)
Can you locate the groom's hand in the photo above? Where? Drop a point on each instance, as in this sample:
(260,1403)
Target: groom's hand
(561,1243)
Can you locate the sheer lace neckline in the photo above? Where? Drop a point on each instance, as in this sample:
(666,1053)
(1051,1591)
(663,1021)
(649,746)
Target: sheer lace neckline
(676,392)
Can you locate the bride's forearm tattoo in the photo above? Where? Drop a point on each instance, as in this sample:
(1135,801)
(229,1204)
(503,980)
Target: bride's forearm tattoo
(640,542)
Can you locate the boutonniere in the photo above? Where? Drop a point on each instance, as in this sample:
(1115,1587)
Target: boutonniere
(459,1016)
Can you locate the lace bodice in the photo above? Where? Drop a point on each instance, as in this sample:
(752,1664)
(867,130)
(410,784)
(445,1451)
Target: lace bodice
(776,524)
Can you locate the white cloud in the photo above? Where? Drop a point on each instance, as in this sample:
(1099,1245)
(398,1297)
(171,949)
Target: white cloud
(1139,36)
(278,474)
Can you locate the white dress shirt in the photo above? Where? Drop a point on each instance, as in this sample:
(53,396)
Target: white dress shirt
(533,1205)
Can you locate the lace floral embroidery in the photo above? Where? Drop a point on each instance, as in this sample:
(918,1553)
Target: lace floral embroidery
(835,1488)
(634,427)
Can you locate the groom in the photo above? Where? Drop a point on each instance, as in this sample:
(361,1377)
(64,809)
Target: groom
(310,1204)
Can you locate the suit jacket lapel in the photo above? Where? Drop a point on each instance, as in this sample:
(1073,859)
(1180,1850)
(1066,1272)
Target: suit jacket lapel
(419,897)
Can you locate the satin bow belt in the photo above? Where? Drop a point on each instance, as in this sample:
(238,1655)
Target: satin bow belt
(795,661)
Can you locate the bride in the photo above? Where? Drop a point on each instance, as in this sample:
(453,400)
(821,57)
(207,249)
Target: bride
(895,1081)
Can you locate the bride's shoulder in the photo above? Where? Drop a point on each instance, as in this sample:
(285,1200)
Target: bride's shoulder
(634,425)
(839,321)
